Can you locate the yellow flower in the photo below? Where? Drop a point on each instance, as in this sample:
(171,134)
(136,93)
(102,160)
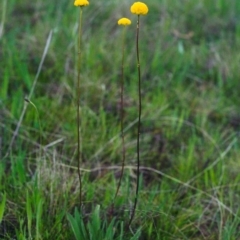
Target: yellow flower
(139,8)
(124,21)
(81,3)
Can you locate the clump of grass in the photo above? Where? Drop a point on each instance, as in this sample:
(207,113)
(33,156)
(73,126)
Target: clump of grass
(96,228)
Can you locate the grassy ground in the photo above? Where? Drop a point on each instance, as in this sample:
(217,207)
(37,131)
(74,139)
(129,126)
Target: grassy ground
(190,154)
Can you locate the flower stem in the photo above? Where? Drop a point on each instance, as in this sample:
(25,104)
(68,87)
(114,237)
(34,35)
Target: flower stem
(139,124)
(122,116)
(78,108)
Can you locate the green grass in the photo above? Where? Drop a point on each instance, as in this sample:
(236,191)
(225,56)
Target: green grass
(190,147)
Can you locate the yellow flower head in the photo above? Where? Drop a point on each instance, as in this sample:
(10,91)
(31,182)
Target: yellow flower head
(139,8)
(81,3)
(124,21)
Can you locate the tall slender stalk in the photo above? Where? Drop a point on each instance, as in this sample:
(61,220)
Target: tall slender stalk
(139,124)
(78,107)
(122,115)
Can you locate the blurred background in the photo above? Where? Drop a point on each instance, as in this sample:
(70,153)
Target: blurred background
(189,53)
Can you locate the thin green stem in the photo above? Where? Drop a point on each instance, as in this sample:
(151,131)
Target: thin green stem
(139,124)
(122,115)
(78,108)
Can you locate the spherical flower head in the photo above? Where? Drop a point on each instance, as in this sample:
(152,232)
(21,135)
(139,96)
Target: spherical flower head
(139,8)
(81,3)
(124,21)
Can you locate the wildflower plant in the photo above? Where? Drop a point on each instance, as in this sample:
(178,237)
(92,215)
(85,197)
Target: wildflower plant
(124,22)
(138,8)
(81,4)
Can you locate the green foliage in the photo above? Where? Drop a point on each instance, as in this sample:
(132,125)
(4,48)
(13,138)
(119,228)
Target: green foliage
(97,228)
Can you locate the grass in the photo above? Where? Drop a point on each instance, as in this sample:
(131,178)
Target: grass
(189,184)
